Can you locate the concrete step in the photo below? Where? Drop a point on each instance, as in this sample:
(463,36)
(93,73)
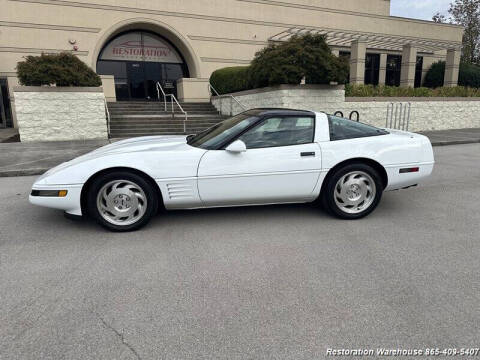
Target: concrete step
(164,116)
(159,105)
(165,121)
(158,127)
(155,112)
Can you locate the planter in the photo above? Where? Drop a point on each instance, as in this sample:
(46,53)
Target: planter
(60,113)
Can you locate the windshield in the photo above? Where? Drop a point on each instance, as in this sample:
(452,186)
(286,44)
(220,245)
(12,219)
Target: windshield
(218,134)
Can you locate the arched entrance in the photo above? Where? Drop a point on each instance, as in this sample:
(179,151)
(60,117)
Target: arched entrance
(138,59)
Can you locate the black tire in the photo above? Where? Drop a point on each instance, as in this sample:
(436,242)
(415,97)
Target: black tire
(328,192)
(145,185)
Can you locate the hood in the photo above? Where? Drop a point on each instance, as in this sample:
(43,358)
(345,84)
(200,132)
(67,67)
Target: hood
(146,143)
(177,143)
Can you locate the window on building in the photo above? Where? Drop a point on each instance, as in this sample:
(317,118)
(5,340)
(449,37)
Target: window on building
(280,131)
(345,54)
(418,71)
(372,68)
(394,65)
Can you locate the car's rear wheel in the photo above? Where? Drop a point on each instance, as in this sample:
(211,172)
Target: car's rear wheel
(122,201)
(353,191)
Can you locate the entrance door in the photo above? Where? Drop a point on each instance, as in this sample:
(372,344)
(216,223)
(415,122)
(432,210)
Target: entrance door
(138,60)
(153,74)
(136,79)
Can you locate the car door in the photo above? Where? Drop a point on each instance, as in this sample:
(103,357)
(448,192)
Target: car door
(282,164)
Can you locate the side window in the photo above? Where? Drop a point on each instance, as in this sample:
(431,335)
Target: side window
(342,129)
(280,131)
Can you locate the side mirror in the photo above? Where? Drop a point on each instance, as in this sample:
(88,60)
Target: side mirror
(189,137)
(238,146)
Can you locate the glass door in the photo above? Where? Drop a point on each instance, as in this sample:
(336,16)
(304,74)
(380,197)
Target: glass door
(153,74)
(5,118)
(136,80)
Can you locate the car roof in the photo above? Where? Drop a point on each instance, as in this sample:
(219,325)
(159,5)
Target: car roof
(279,112)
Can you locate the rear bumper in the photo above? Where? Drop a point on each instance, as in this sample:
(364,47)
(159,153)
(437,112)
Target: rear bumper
(70,203)
(398,180)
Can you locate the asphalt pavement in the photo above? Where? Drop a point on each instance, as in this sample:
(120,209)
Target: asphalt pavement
(276,282)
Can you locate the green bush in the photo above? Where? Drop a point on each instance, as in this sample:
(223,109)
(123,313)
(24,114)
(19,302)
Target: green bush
(435,75)
(64,69)
(469,75)
(300,57)
(230,79)
(393,91)
(288,62)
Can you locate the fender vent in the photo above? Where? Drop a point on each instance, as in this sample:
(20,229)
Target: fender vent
(179,191)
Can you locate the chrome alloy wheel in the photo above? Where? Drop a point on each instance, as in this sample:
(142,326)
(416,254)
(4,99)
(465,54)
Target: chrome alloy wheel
(355,192)
(121,202)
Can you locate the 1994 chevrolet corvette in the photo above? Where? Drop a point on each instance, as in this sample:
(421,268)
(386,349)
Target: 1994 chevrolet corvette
(261,156)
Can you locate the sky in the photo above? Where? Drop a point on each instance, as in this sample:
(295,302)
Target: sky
(419,9)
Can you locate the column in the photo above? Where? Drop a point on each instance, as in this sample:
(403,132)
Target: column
(452,68)
(357,62)
(382,76)
(409,60)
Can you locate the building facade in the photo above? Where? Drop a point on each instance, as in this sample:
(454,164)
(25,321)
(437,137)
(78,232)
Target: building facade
(135,44)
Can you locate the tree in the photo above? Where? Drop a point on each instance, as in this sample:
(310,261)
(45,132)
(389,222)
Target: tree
(467,14)
(439,18)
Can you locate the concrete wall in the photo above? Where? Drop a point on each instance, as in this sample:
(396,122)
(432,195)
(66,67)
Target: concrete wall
(57,114)
(426,113)
(193,90)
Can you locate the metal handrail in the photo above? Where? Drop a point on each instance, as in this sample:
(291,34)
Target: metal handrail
(172,100)
(213,90)
(160,88)
(107,112)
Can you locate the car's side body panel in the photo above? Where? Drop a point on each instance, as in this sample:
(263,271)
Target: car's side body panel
(268,175)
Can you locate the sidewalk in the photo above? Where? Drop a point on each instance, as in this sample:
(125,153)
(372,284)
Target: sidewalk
(453,137)
(22,159)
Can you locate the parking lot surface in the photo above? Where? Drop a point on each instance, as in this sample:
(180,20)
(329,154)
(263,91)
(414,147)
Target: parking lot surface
(277,282)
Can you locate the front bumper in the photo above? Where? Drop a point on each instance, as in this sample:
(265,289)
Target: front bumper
(70,203)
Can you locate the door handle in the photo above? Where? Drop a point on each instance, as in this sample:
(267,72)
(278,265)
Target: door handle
(304,154)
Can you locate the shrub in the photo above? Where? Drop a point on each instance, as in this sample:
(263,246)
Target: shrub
(393,91)
(276,64)
(301,56)
(62,69)
(469,75)
(435,75)
(288,62)
(230,79)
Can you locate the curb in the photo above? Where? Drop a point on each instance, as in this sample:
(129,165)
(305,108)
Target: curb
(455,142)
(22,172)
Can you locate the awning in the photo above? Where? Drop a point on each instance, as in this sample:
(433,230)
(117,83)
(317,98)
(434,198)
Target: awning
(345,38)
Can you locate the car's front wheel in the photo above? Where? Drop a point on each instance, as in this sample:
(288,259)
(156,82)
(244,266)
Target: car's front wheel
(353,191)
(122,201)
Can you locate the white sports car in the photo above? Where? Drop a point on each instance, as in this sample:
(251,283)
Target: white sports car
(261,156)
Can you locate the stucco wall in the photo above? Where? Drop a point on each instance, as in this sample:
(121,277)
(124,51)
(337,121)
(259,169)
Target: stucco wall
(426,113)
(214,34)
(56,114)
